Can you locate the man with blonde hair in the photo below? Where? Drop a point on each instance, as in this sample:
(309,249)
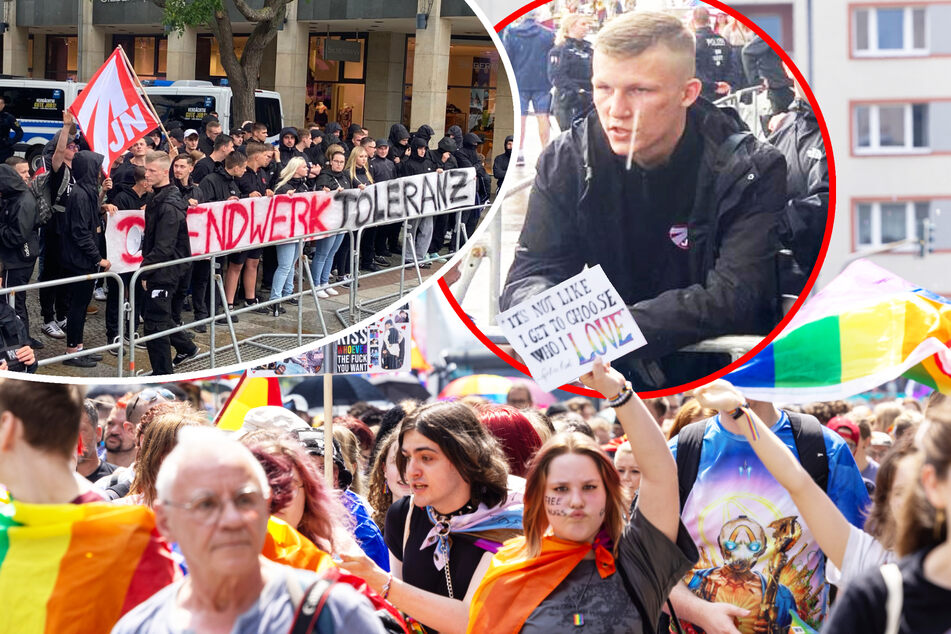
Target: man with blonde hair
(672,196)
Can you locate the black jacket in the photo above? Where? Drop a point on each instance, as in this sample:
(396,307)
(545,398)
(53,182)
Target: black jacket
(219,185)
(166,237)
(297,185)
(383,169)
(13,336)
(203,168)
(569,66)
(19,240)
(415,164)
(501,163)
(253,181)
(128,199)
(398,132)
(740,193)
(803,222)
(468,156)
(760,62)
(9,123)
(333,180)
(191,190)
(83,222)
(713,61)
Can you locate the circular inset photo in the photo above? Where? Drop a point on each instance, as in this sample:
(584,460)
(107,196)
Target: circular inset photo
(668,206)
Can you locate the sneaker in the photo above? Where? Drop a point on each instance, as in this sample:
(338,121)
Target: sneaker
(54,330)
(426,265)
(432,256)
(99,294)
(95,356)
(36,344)
(330,290)
(80,362)
(62,323)
(373,267)
(114,351)
(380,259)
(323,294)
(202,328)
(182,357)
(264,310)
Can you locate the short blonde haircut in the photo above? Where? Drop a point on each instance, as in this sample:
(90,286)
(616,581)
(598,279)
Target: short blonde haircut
(631,34)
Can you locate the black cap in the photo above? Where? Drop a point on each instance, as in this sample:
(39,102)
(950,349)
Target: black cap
(313,443)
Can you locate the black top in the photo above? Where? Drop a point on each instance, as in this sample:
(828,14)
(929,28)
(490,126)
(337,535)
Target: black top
(104,469)
(203,168)
(418,567)
(861,608)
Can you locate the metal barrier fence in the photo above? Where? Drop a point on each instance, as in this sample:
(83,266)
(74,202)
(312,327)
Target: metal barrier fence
(751,113)
(348,315)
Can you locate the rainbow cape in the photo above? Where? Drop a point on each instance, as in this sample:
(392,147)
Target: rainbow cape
(867,327)
(285,545)
(77,567)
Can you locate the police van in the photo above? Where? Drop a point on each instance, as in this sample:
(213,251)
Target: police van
(38,106)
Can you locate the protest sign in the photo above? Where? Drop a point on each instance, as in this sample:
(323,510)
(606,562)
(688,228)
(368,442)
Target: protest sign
(384,345)
(560,332)
(231,224)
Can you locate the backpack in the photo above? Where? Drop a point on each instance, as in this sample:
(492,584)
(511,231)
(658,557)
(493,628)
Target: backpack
(807,435)
(42,188)
(311,603)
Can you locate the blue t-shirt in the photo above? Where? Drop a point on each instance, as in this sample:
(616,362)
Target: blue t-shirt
(365,530)
(738,515)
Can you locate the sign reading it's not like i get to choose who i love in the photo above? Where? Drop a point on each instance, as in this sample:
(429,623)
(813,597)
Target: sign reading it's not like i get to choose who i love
(559,333)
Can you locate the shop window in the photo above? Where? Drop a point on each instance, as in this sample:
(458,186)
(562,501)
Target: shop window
(335,88)
(148,53)
(61,57)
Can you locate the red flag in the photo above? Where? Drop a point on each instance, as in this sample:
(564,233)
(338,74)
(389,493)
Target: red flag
(110,111)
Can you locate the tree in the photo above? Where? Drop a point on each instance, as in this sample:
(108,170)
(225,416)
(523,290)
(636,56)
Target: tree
(242,73)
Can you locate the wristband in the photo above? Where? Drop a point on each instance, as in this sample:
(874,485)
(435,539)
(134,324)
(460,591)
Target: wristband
(623,396)
(385,591)
(736,413)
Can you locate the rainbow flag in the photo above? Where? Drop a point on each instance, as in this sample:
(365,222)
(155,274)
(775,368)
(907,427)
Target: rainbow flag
(285,545)
(867,327)
(250,392)
(77,567)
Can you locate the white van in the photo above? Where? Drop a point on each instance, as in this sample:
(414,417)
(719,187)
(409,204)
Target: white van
(189,100)
(38,105)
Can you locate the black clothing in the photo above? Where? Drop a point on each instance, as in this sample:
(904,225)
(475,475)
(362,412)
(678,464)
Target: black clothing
(713,61)
(219,185)
(398,132)
(861,608)
(104,469)
(425,132)
(83,223)
(204,167)
(416,164)
(205,145)
(803,221)
(128,199)
(382,169)
(387,236)
(9,123)
(190,191)
(418,567)
(253,181)
(333,180)
(501,164)
(455,133)
(578,214)
(295,185)
(762,63)
(13,336)
(469,157)
(19,239)
(569,70)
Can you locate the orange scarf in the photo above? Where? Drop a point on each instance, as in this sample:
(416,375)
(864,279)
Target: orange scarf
(285,545)
(515,585)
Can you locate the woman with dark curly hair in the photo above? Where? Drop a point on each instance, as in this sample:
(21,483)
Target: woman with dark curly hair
(442,538)
(386,484)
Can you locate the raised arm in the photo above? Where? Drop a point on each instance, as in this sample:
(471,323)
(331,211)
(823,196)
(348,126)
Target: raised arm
(658,469)
(59,152)
(827,523)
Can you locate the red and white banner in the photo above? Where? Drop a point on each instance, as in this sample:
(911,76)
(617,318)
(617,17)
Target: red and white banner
(110,111)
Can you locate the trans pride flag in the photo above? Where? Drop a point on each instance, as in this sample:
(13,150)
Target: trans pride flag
(867,327)
(77,567)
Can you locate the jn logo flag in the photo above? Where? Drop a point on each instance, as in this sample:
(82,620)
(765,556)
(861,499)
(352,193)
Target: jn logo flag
(110,111)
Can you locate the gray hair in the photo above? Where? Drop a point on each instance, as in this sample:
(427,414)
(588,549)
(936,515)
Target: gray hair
(197,444)
(91,412)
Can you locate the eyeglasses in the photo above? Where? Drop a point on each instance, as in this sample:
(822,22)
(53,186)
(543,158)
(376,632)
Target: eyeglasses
(150,395)
(207,508)
(72,146)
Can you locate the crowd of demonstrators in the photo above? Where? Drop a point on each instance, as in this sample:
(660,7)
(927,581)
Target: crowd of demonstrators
(758,262)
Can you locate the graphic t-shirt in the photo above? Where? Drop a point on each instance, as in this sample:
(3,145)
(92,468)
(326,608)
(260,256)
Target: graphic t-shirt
(755,551)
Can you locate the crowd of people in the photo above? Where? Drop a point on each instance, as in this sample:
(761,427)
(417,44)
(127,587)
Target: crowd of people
(704,228)
(703,512)
(58,218)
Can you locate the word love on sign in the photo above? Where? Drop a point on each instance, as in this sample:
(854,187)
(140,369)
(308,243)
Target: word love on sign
(560,332)
(232,224)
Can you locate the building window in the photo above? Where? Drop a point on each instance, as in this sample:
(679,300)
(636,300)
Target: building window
(336,79)
(148,53)
(881,223)
(889,128)
(887,31)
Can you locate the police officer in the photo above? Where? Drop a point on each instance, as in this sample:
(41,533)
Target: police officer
(713,57)
(8,124)
(569,69)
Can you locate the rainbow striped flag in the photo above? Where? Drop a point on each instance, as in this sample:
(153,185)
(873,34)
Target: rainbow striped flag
(867,327)
(250,392)
(77,567)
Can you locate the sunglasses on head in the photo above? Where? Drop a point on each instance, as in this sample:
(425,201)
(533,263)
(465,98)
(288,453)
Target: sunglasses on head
(150,395)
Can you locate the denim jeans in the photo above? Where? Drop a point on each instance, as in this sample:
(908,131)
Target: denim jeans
(324,250)
(283,282)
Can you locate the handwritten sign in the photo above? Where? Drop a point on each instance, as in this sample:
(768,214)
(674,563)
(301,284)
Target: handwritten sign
(560,332)
(385,345)
(222,226)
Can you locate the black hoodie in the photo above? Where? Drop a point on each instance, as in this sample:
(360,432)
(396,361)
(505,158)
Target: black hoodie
(501,164)
(456,133)
(398,132)
(83,223)
(468,156)
(332,127)
(416,164)
(166,237)
(19,241)
(287,153)
(219,185)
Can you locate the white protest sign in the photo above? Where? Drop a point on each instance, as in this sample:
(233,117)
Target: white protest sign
(231,224)
(560,332)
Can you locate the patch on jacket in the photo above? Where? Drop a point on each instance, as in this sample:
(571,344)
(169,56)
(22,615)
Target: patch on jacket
(814,153)
(678,235)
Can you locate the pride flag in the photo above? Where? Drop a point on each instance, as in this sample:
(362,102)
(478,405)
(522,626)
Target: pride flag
(250,392)
(77,567)
(867,327)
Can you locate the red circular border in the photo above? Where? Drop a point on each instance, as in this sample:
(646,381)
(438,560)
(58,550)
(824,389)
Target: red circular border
(802,296)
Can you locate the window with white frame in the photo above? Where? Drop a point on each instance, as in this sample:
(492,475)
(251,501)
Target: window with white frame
(893,127)
(886,31)
(880,223)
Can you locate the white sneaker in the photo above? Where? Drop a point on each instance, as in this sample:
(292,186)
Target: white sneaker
(330,290)
(322,294)
(99,294)
(53,329)
(62,324)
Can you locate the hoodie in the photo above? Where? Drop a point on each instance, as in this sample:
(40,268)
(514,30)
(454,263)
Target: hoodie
(425,132)
(528,44)
(19,240)
(468,156)
(456,133)
(165,237)
(501,163)
(83,223)
(415,164)
(287,153)
(332,127)
(398,132)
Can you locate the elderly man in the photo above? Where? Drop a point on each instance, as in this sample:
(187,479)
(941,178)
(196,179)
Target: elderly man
(213,499)
(668,193)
